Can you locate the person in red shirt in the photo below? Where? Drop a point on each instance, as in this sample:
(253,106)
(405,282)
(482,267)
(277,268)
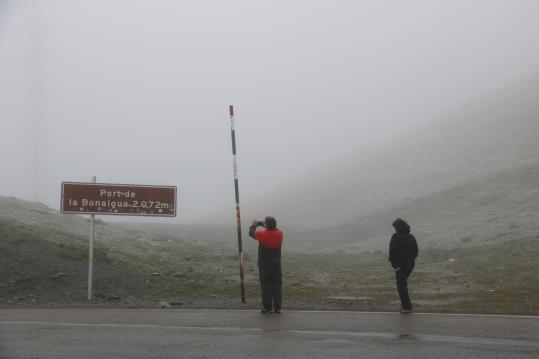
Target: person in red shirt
(270,240)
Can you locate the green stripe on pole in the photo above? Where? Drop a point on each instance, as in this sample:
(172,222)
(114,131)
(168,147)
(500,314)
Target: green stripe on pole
(237,188)
(237,192)
(233,142)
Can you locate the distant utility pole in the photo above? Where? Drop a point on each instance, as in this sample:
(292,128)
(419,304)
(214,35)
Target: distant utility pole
(237,191)
(34,88)
(91,254)
(38,172)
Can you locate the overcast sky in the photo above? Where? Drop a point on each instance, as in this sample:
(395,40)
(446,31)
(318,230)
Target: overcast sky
(138,91)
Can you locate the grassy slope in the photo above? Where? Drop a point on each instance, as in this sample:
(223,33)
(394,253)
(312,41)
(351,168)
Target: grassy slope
(495,278)
(45,254)
(45,265)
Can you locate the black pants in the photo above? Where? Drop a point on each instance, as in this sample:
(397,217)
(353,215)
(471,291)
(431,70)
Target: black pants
(402,285)
(271,285)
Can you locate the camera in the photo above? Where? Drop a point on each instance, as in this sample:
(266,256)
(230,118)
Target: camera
(260,223)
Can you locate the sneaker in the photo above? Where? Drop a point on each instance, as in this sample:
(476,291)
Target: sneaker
(277,311)
(265,311)
(406,311)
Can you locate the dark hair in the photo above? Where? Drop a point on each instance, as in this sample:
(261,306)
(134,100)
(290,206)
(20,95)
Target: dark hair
(270,223)
(401,226)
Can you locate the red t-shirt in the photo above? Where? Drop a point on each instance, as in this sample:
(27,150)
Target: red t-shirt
(270,239)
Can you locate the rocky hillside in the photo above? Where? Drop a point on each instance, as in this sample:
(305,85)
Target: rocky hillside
(44,258)
(43,261)
(494,134)
(493,209)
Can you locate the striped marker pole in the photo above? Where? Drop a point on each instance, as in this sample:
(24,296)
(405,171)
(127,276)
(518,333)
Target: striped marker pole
(237,191)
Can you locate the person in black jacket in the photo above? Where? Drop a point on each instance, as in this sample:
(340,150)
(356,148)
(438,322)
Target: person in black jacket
(402,254)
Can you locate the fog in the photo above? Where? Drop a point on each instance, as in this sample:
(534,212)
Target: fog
(138,91)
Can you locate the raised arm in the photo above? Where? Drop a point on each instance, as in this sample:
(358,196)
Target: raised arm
(252,229)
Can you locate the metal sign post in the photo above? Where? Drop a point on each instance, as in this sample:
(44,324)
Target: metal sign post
(91,255)
(237,192)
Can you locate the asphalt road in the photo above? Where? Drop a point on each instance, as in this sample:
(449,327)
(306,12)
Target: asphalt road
(125,333)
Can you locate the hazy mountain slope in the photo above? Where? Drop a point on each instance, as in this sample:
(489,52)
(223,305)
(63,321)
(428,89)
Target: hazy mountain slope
(44,258)
(496,208)
(50,220)
(37,265)
(42,266)
(212,235)
(499,132)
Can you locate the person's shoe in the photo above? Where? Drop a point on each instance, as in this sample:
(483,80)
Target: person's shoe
(265,311)
(277,311)
(406,311)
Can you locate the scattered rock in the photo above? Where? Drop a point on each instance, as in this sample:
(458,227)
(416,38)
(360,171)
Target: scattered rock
(59,276)
(130,299)
(176,303)
(164,305)
(24,280)
(113,298)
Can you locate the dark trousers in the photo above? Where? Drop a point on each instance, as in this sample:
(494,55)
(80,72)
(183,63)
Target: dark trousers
(402,286)
(271,285)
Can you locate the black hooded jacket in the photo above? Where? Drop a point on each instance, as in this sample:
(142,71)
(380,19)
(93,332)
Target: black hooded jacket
(402,250)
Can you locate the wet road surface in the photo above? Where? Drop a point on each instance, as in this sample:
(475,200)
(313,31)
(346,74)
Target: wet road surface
(126,333)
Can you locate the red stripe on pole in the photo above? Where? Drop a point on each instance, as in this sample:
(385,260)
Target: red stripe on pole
(231,109)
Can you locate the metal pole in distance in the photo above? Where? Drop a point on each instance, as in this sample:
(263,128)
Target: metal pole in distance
(237,191)
(91,254)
